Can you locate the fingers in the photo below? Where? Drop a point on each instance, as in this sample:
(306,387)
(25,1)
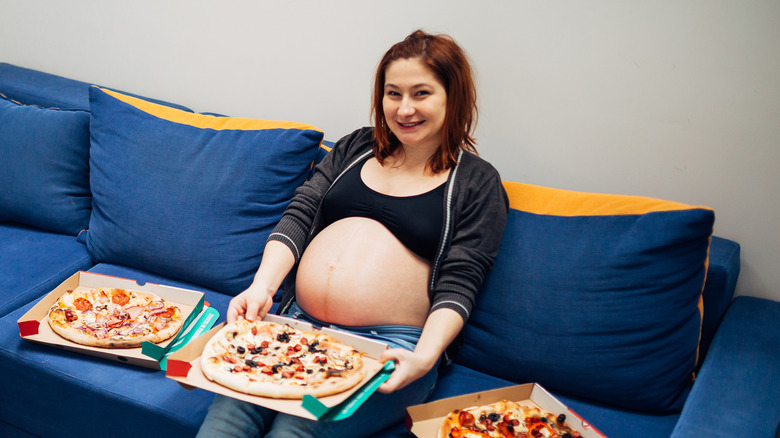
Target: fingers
(252,309)
(391,385)
(404,372)
(391,354)
(248,305)
(236,308)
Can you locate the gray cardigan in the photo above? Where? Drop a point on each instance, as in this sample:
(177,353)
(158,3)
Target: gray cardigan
(476,207)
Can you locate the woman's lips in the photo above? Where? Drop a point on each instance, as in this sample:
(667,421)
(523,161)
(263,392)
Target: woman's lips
(410,125)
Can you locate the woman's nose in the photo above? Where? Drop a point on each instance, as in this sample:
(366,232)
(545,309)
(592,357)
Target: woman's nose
(406,108)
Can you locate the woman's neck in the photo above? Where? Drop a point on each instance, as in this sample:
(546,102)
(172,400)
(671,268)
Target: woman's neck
(411,160)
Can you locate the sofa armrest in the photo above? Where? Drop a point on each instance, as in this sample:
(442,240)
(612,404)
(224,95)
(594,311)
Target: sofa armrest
(737,392)
(724,266)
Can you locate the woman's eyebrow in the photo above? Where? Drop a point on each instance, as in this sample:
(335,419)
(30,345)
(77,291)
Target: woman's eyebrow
(420,85)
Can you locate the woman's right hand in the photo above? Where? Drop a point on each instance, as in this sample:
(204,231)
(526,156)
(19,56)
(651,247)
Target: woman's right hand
(256,300)
(250,304)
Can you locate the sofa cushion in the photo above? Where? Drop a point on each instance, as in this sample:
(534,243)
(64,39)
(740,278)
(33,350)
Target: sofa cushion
(44,171)
(190,196)
(594,295)
(34,262)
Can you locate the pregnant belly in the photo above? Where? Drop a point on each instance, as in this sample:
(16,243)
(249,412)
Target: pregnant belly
(355,272)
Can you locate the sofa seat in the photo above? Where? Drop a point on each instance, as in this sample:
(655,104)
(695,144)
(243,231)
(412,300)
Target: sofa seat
(34,262)
(114,394)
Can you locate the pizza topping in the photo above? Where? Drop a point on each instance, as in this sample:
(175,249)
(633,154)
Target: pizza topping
(466,419)
(537,429)
(313,347)
(70,316)
(507,429)
(82,304)
(134,311)
(506,419)
(275,354)
(159,324)
(464,433)
(123,317)
(120,297)
(163,312)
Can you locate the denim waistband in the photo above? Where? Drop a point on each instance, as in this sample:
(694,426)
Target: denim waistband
(396,336)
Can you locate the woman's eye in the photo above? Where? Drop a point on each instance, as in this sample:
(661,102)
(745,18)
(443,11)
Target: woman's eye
(393,93)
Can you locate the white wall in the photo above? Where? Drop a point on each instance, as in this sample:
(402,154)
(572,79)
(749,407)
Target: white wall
(672,99)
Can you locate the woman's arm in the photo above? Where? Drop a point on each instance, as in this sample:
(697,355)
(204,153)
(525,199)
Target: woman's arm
(481,208)
(297,221)
(473,248)
(441,328)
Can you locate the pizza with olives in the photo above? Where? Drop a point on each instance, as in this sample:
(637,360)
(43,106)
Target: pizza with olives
(505,419)
(276,360)
(114,318)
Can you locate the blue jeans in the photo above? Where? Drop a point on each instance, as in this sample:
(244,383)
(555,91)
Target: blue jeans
(228,417)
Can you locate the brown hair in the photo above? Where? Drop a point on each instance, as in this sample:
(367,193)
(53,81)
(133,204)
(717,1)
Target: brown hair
(449,63)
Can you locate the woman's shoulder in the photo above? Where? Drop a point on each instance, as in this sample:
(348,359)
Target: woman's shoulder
(478,179)
(350,146)
(474,164)
(357,139)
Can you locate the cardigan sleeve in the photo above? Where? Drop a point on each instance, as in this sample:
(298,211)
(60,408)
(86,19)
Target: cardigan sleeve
(479,218)
(299,219)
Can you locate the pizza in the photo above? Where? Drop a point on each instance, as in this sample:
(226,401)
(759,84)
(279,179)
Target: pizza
(114,318)
(274,360)
(505,419)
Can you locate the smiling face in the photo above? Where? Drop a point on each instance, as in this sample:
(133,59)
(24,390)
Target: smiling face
(414,104)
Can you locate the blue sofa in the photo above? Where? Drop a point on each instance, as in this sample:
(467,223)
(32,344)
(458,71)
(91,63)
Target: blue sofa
(615,335)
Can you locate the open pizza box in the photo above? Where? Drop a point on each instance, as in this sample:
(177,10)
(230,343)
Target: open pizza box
(425,420)
(34,325)
(184,367)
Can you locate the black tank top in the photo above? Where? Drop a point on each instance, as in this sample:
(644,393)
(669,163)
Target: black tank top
(416,220)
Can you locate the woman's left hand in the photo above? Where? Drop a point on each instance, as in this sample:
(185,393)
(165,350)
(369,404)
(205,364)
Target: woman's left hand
(409,366)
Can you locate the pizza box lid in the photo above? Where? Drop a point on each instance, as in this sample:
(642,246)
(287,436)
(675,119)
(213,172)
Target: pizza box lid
(425,420)
(34,326)
(184,367)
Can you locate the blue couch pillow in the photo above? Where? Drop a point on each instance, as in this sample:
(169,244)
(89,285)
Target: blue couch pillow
(189,196)
(44,169)
(601,295)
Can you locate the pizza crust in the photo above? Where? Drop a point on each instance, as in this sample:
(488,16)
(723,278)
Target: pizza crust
(450,422)
(241,383)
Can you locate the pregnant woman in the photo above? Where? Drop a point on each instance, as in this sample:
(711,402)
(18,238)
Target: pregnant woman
(391,239)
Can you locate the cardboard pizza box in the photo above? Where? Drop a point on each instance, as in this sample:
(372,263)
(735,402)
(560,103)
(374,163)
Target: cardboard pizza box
(34,326)
(425,420)
(184,367)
